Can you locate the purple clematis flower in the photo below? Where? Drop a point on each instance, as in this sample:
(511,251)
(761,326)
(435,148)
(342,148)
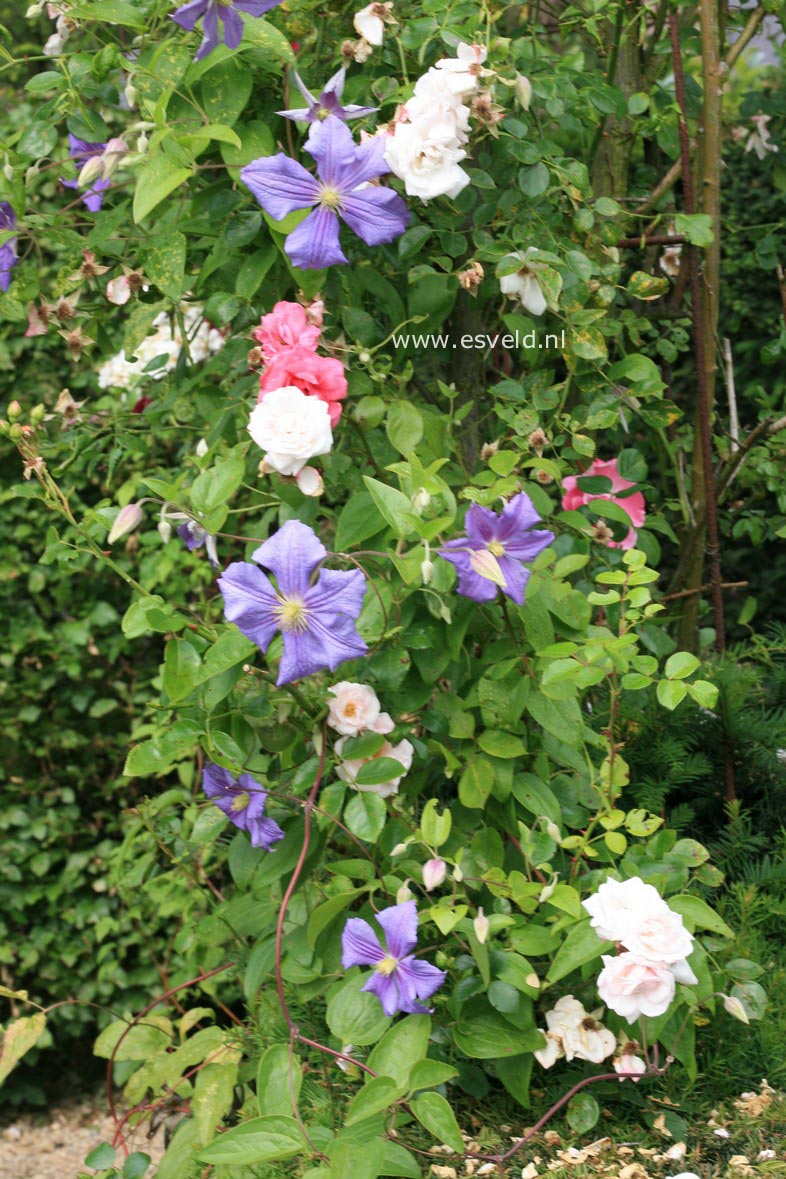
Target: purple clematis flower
(494,551)
(193,536)
(80,150)
(399,979)
(243,801)
(316,618)
(8,258)
(226,11)
(340,189)
(328,103)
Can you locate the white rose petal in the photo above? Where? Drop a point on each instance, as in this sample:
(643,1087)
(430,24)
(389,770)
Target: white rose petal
(291,428)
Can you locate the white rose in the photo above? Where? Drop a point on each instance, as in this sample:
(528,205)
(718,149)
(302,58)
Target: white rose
(429,167)
(439,112)
(659,936)
(524,285)
(348,770)
(631,986)
(462,72)
(291,428)
(551,1053)
(118,290)
(352,708)
(619,905)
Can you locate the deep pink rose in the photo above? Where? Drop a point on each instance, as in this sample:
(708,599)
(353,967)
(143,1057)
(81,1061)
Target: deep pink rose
(317,376)
(634,505)
(286,326)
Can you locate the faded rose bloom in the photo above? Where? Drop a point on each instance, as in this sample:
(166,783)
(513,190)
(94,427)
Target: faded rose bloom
(118,290)
(370,22)
(310,482)
(37,320)
(627,1060)
(523,283)
(472,277)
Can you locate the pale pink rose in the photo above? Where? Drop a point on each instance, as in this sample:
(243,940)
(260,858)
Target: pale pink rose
(286,326)
(632,986)
(118,290)
(659,937)
(628,1063)
(620,904)
(383,723)
(352,708)
(634,505)
(348,770)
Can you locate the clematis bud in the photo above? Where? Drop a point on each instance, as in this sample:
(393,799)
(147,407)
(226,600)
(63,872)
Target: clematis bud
(481,927)
(547,892)
(426,570)
(734,1007)
(421,500)
(127,519)
(112,155)
(165,531)
(8,169)
(201,448)
(552,830)
(364,357)
(310,481)
(523,91)
(91,170)
(35,10)
(142,143)
(457,874)
(14,411)
(403,894)
(130,93)
(486,565)
(399,849)
(434,873)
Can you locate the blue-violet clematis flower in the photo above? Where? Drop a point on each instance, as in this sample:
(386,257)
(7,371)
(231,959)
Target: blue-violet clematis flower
(328,103)
(243,801)
(226,11)
(315,617)
(495,550)
(340,189)
(80,151)
(8,258)
(193,536)
(399,980)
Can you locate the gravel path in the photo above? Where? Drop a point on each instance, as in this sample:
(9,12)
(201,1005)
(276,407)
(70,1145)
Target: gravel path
(53,1144)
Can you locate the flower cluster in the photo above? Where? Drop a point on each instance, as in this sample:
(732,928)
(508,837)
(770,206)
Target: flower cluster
(300,392)
(633,505)
(654,947)
(399,980)
(355,709)
(163,345)
(427,142)
(316,618)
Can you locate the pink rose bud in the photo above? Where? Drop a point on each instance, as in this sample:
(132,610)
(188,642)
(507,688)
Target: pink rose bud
(118,290)
(127,519)
(434,873)
(310,481)
(481,926)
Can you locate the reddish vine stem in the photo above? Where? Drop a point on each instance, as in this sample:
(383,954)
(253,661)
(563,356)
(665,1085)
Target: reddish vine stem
(702,395)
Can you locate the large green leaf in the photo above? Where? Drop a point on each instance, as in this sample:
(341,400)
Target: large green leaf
(260,1140)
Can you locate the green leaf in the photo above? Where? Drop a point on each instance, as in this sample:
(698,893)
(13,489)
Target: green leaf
(670,693)
(475,783)
(214,1091)
(260,1140)
(376,1095)
(434,1113)
(365,815)
(101,1156)
(486,1035)
(165,262)
(581,945)
(647,286)
(698,914)
(379,770)
(355,1016)
(182,667)
(18,1038)
(350,1159)
(326,913)
(582,1113)
(393,505)
(696,227)
(160,176)
(279,1077)
(428,1073)
(113,12)
(404,426)
(136,1165)
(401,1048)
(515,1073)
(681,664)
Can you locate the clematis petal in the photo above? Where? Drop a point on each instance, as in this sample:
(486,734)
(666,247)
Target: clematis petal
(470,584)
(481,525)
(256,7)
(400,923)
(264,833)
(280,185)
(331,144)
(516,577)
(386,989)
(250,602)
(233,27)
(211,39)
(517,516)
(369,162)
(315,243)
(291,554)
(418,980)
(376,215)
(338,591)
(360,946)
(190,13)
